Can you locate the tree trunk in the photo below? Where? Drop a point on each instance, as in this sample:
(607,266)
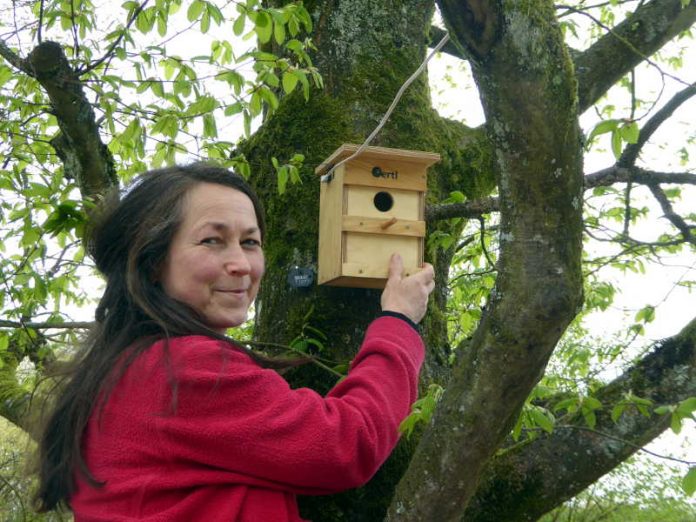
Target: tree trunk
(364,54)
(528,89)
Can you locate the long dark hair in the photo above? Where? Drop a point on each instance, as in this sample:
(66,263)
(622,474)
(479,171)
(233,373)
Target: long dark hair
(128,240)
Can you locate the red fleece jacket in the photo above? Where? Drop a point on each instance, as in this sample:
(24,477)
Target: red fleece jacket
(240,443)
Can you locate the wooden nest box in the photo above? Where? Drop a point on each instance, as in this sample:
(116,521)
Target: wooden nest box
(370,207)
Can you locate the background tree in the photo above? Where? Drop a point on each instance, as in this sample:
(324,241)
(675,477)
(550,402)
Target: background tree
(89,96)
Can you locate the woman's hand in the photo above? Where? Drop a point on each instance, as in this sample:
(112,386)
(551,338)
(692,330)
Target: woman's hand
(407,295)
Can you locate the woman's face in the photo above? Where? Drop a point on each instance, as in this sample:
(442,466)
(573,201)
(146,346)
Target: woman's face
(215,260)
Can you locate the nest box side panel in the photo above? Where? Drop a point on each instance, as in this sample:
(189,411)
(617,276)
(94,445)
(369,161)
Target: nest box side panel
(330,228)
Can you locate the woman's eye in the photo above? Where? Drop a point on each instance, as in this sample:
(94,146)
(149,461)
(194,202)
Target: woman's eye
(211,241)
(251,243)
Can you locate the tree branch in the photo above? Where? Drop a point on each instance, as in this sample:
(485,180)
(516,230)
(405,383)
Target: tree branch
(85,157)
(601,178)
(642,34)
(112,47)
(630,154)
(616,174)
(468,209)
(68,325)
(14,59)
(473,25)
(670,214)
(532,479)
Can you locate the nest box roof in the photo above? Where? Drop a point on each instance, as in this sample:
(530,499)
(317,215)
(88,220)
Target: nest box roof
(377,153)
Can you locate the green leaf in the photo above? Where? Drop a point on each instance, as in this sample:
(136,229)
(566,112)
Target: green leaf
(616,143)
(630,132)
(205,23)
(539,416)
(283,177)
(592,403)
(279,32)
(238,26)
(689,481)
(676,423)
(686,407)
(289,81)
(662,410)
(590,417)
(255,104)
(264,27)
(616,411)
(647,314)
(194,10)
(603,127)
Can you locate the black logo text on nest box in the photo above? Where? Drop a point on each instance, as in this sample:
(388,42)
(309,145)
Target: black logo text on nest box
(377,172)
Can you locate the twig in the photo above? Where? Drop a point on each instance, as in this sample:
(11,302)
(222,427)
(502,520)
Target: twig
(313,359)
(41,15)
(623,441)
(670,214)
(113,46)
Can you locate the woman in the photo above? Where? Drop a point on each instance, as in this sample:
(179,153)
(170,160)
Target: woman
(165,419)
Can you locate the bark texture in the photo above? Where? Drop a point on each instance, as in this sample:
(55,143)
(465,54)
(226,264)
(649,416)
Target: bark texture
(85,157)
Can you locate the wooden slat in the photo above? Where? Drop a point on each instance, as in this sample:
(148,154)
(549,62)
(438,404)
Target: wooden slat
(395,174)
(371,253)
(360,202)
(368,225)
(358,282)
(369,271)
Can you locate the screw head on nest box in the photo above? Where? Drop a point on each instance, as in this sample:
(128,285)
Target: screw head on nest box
(370,207)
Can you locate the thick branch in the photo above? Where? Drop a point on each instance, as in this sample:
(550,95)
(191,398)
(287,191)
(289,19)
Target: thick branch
(473,25)
(530,480)
(630,155)
(616,174)
(85,157)
(601,178)
(469,209)
(13,58)
(628,44)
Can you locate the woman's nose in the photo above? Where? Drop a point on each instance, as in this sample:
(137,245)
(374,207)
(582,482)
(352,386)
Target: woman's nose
(236,261)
